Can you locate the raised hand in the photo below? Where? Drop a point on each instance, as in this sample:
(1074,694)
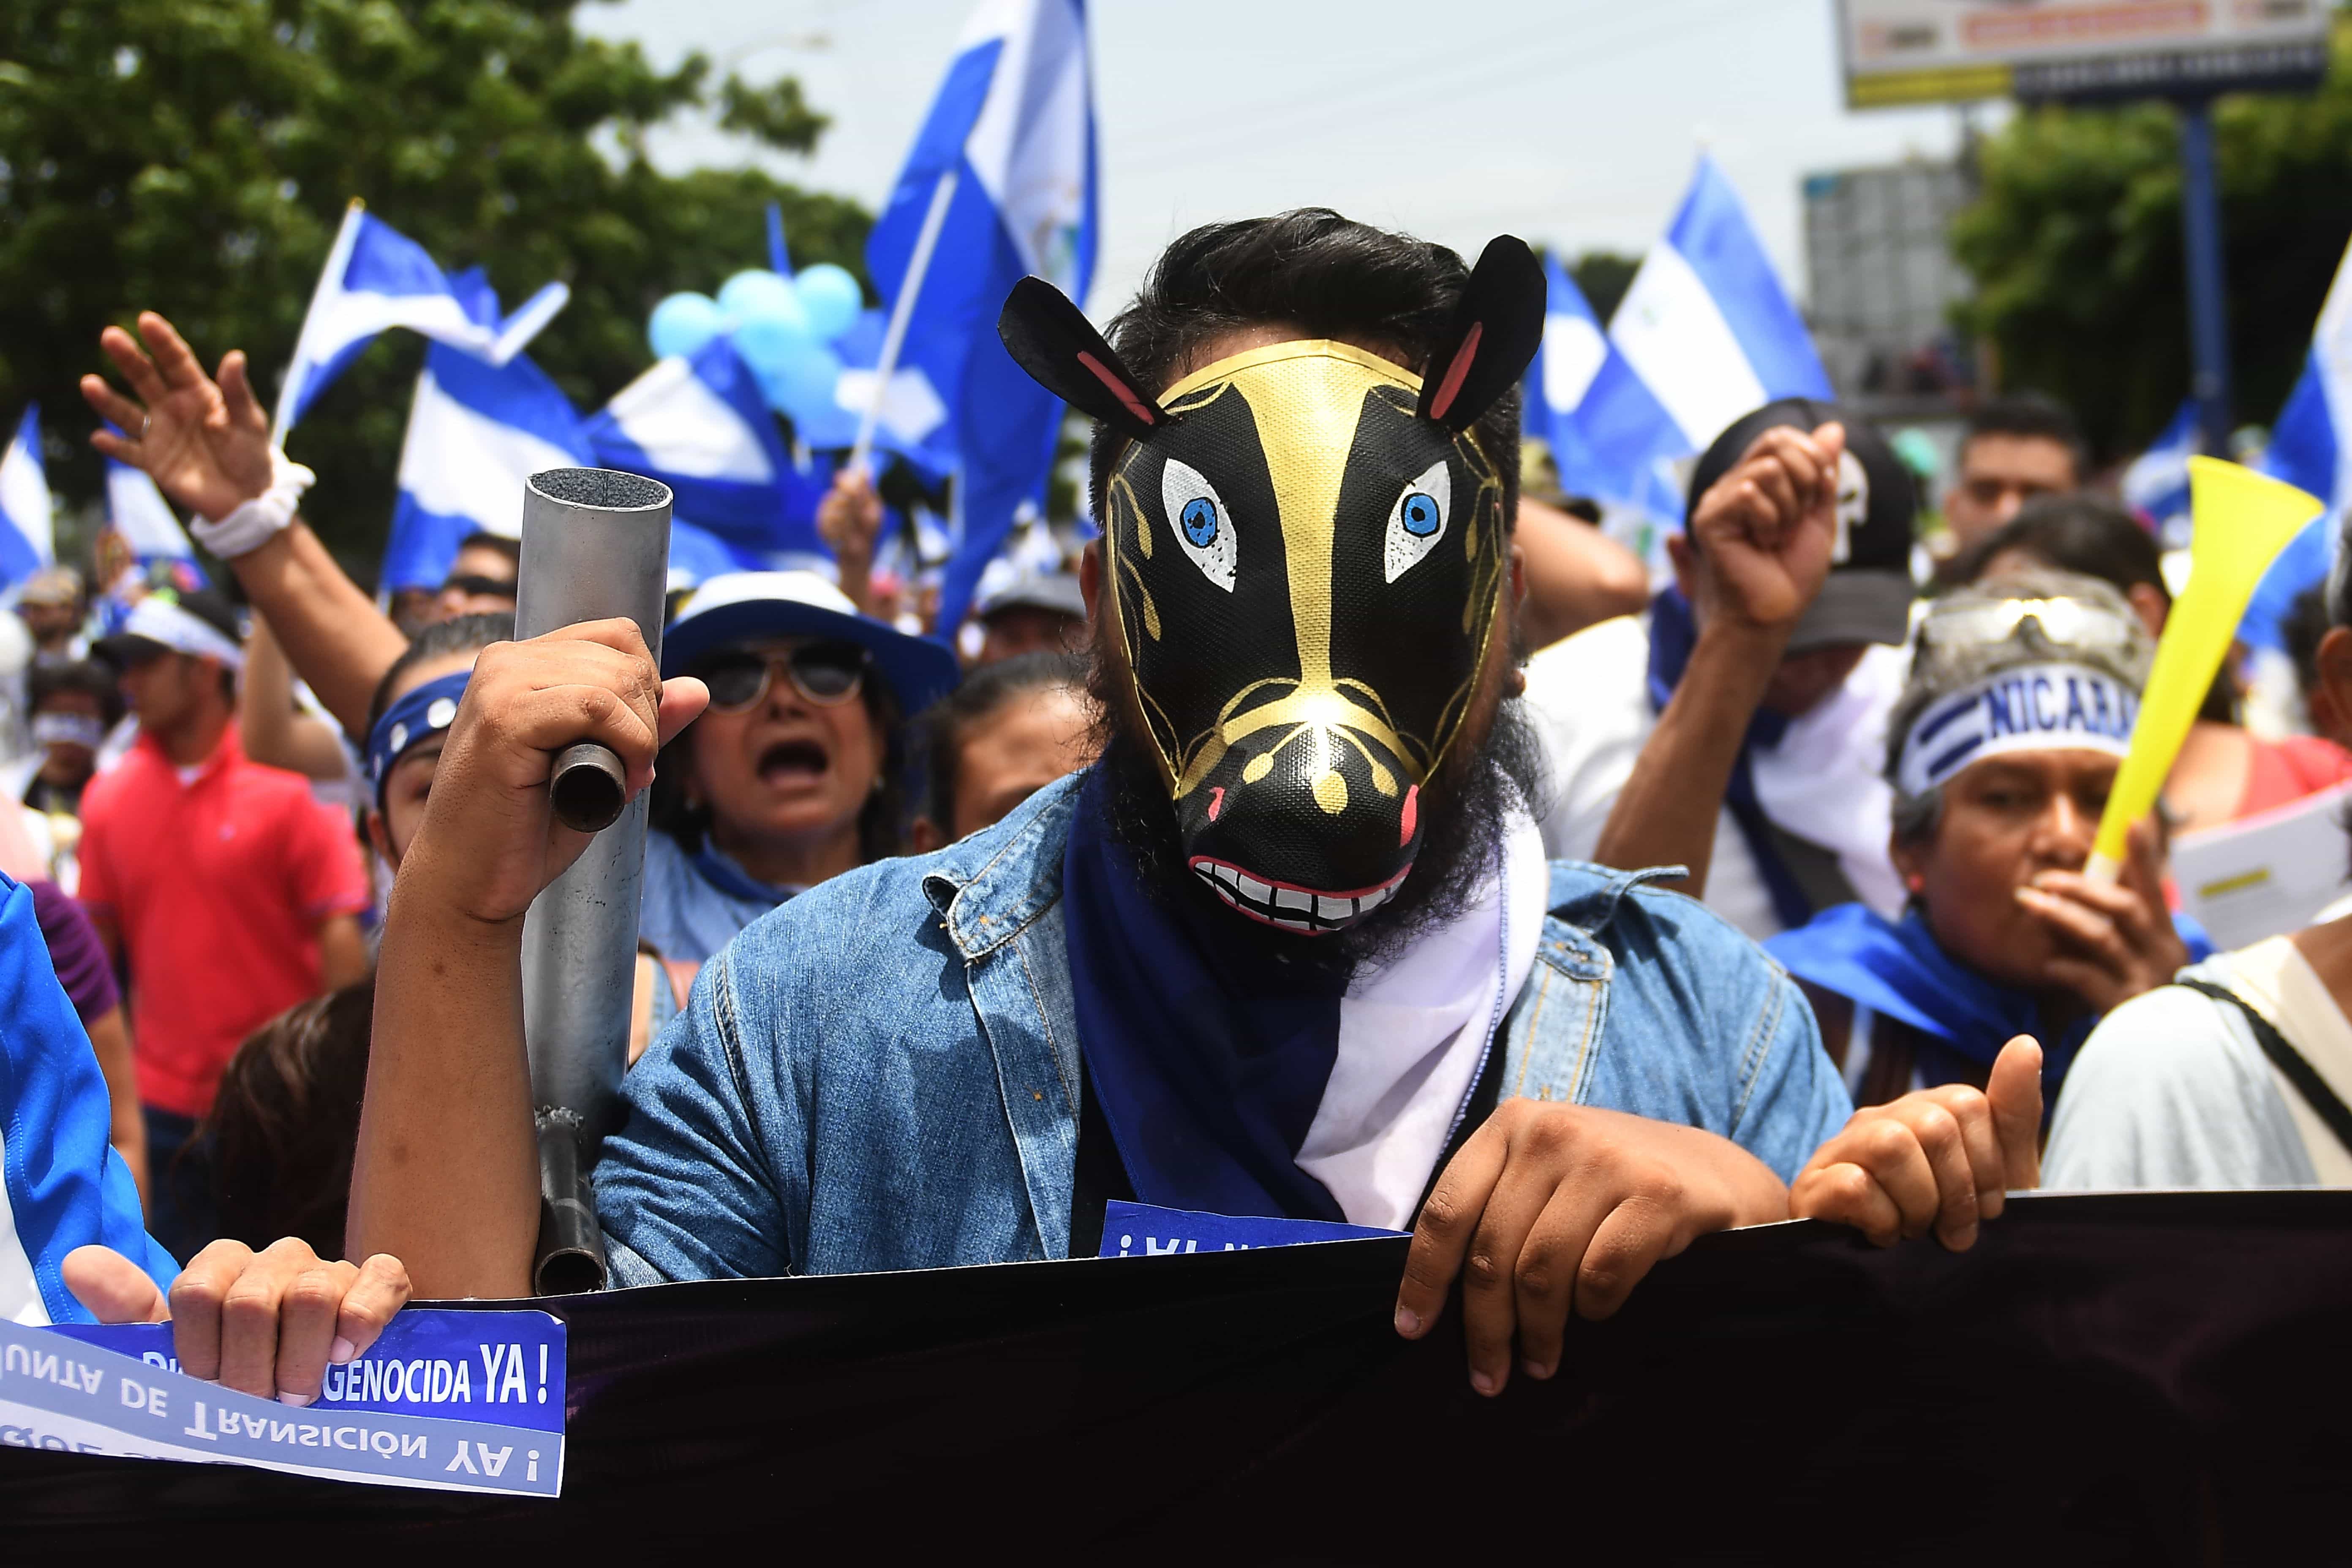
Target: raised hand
(2115,940)
(205,442)
(1762,539)
(1938,1159)
(489,841)
(849,519)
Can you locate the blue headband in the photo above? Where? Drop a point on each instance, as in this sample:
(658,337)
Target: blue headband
(416,715)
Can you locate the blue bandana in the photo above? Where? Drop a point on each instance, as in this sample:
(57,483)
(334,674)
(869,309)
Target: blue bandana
(415,715)
(1897,970)
(1207,1052)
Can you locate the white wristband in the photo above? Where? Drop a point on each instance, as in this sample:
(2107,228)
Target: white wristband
(255,523)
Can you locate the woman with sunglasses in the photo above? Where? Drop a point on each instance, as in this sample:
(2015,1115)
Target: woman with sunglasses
(2002,751)
(794,773)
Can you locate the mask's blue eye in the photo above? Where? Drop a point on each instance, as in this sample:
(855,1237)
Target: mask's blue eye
(1200,519)
(1421,515)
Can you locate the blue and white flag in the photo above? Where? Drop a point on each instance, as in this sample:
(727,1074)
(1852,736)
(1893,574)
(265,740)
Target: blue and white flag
(696,554)
(912,420)
(137,510)
(1008,153)
(477,431)
(63,1184)
(2155,485)
(2310,448)
(701,426)
(1574,349)
(376,277)
(27,515)
(1704,334)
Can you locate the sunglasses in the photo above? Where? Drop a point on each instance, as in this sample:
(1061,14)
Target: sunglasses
(826,673)
(2066,622)
(473,585)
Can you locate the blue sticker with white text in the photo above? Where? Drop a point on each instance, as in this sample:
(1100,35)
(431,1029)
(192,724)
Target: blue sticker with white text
(1142,1230)
(448,1400)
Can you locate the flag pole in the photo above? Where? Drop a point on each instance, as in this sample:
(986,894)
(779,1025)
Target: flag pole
(927,240)
(339,256)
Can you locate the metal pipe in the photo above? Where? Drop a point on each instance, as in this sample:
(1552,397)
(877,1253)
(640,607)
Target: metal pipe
(595,545)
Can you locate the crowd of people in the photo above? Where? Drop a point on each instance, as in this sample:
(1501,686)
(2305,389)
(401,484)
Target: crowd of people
(1345,837)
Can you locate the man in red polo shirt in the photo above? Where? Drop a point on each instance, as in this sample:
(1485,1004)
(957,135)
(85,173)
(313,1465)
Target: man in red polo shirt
(231,893)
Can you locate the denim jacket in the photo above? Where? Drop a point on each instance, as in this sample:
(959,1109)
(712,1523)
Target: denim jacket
(884,1072)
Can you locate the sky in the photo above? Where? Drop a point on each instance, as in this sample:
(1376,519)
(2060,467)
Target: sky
(1568,122)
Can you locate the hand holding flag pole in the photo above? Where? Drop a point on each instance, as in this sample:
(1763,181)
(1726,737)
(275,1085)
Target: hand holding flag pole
(2242,520)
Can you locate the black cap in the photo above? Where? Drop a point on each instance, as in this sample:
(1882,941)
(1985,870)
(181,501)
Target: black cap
(1867,594)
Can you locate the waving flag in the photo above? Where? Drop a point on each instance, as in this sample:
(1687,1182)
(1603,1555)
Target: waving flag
(137,510)
(911,420)
(1573,353)
(27,516)
(999,185)
(475,432)
(376,277)
(2311,449)
(2155,485)
(701,428)
(1704,334)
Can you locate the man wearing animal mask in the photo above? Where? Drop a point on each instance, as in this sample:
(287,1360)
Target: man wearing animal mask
(1290,950)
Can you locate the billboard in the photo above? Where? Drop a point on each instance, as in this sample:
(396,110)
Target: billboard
(1942,51)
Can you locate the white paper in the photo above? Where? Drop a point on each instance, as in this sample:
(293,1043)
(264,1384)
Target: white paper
(2267,875)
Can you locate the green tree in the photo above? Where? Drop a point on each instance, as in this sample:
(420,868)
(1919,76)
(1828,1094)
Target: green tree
(1603,277)
(2076,244)
(195,157)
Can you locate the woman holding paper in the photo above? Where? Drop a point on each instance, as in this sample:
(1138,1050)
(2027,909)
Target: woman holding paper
(2002,751)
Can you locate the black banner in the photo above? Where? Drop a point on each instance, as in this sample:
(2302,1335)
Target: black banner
(2145,1378)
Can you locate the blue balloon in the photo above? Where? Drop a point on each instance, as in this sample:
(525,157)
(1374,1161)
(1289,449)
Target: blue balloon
(683,323)
(831,299)
(769,342)
(759,292)
(805,383)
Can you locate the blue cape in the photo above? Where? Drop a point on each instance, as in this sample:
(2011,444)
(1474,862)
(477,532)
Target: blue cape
(1207,1048)
(1897,969)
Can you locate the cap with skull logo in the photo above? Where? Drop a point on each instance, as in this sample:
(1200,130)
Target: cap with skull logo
(1867,597)
(1303,545)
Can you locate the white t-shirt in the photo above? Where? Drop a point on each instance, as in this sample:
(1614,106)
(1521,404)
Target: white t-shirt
(1589,697)
(2172,1091)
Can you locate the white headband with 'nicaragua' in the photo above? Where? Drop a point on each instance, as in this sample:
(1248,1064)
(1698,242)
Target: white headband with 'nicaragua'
(158,620)
(2027,708)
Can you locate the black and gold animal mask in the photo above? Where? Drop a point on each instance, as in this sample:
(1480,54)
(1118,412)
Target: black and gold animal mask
(1305,542)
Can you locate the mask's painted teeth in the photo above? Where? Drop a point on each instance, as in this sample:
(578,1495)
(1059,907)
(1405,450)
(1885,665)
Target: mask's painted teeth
(1301,909)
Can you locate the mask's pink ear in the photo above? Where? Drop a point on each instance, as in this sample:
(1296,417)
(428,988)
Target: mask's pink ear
(1053,341)
(1496,329)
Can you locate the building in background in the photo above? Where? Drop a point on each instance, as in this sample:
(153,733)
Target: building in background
(1883,282)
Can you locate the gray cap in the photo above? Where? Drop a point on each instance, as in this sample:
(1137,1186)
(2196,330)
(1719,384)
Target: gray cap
(1057,593)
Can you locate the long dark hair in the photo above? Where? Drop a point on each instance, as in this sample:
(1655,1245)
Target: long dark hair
(285,1121)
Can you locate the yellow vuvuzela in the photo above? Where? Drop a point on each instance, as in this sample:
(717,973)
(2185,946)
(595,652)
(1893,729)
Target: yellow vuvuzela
(2242,520)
